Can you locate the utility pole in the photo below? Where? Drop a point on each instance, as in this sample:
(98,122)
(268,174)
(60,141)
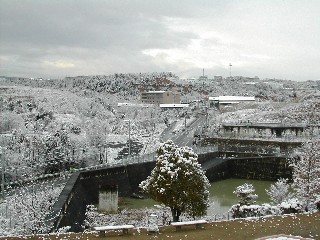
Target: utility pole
(2,173)
(206,116)
(129,138)
(106,151)
(230,65)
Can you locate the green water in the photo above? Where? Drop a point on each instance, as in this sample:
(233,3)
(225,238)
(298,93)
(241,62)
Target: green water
(221,194)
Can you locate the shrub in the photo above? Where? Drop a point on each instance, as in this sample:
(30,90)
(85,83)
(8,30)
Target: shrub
(292,205)
(244,211)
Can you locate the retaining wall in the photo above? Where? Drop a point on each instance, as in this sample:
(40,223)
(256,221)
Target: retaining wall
(82,188)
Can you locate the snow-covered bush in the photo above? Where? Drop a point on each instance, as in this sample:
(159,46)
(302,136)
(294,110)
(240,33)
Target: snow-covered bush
(137,217)
(267,209)
(292,205)
(244,211)
(64,229)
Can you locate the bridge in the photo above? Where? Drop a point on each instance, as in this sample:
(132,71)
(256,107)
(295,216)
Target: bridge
(250,128)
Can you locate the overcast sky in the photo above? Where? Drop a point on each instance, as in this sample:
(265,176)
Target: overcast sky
(266,38)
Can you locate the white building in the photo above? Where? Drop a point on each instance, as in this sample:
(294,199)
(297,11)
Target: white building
(170,106)
(225,100)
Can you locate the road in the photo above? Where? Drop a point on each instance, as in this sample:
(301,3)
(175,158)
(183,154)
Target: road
(184,138)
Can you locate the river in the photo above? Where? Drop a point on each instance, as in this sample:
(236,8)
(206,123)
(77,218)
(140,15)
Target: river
(221,194)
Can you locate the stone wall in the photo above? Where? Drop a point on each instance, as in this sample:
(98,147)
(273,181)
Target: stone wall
(219,172)
(261,168)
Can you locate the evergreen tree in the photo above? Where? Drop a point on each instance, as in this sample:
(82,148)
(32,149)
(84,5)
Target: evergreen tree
(178,181)
(247,197)
(246,194)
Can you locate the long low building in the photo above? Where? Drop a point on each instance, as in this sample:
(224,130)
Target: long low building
(176,105)
(224,100)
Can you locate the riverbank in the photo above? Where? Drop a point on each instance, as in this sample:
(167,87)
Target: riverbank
(303,225)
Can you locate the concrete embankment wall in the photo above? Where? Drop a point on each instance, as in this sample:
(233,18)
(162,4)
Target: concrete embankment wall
(82,188)
(262,168)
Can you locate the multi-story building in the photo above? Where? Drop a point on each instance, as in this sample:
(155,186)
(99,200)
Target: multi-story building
(160,97)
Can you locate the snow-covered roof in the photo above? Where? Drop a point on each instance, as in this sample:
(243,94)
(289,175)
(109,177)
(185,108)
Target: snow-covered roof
(214,98)
(156,92)
(175,105)
(231,98)
(134,104)
(229,102)
(249,83)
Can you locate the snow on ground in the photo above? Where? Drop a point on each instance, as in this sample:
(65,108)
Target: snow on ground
(138,217)
(282,237)
(181,123)
(117,138)
(24,208)
(67,118)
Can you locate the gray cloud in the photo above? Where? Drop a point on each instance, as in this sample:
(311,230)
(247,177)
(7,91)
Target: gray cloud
(57,38)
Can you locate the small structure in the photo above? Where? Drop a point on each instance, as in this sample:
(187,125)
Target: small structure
(108,199)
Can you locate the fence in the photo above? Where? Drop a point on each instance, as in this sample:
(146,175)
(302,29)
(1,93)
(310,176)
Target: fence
(134,159)
(219,217)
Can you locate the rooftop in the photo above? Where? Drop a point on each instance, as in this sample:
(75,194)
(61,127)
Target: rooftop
(232,98)
(155,92)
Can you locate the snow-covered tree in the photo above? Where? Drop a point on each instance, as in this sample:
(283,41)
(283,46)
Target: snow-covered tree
(246,194)
(178,181)
(57,152)
(26,208)
(279,191)
(306,174)
(247,197)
